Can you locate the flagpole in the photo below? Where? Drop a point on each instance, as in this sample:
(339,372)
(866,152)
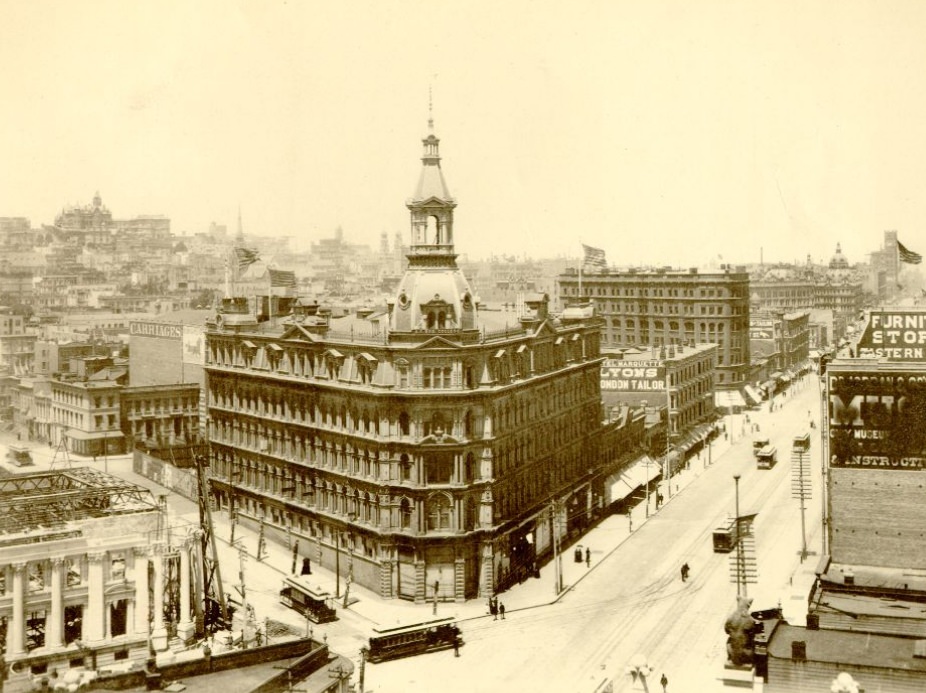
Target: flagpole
(581,265)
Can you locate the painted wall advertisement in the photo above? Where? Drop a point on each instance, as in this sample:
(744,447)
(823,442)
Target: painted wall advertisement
(894,335)
(194,345)
(877,418)
(633,376)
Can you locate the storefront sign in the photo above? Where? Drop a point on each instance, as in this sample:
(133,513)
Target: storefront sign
(877,418)
(894,335)
(633,376)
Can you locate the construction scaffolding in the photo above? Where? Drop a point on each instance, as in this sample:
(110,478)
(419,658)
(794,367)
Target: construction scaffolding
(48,500)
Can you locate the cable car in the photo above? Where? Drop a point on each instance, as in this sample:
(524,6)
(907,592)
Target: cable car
(766,457)
(406,641)
(312,602)
(725,536)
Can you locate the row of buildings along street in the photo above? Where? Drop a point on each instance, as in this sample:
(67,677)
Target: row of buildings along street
(436,438)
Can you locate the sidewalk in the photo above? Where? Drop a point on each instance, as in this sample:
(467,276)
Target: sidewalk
(602,540)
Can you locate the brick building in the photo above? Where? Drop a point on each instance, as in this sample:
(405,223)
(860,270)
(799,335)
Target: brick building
(430,450)
(663,307)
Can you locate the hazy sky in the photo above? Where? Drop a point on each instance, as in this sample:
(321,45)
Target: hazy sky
(663,132)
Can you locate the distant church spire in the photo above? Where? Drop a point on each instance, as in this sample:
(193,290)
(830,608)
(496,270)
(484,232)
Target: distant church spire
(240,238)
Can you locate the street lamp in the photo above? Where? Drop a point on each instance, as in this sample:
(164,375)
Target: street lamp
(337,559)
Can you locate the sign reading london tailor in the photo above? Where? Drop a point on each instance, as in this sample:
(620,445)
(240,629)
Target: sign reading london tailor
(633,376)
(894,335)
(877,418)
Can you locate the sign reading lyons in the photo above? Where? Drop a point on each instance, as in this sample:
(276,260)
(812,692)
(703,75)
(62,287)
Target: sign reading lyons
(633,376)
(894,335)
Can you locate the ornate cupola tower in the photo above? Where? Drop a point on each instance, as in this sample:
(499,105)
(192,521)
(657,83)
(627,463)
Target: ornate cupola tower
(434,295)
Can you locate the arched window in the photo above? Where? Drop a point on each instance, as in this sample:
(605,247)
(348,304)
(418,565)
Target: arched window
(405,514)
(440,513)
(471,469)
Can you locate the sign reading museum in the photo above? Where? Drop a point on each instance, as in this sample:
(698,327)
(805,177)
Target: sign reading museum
(877,417)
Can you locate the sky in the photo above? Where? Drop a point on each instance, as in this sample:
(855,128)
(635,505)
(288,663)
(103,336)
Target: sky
(666,133)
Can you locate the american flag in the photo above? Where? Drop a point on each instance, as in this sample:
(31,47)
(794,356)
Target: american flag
(285,278)
(246,257)
(907,255)
(594,258)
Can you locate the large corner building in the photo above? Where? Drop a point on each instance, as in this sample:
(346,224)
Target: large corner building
(429,454)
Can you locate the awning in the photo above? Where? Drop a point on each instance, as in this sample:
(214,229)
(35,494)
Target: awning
(776,374)
(814,353)
(729,399)
(643,470)
(635,475)
(752,394)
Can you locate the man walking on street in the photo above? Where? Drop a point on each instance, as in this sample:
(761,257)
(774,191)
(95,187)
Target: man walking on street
(501,610)
(588,557)
(685,570)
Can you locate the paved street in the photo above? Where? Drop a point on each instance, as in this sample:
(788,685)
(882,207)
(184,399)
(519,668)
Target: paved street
(629,602)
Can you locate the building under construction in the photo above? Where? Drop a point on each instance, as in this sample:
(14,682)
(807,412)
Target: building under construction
(85,564)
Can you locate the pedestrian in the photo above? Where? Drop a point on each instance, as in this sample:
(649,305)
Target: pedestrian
(456,646)
(501,610)
(493,607)
(588,557)
(664,681)
(685,570)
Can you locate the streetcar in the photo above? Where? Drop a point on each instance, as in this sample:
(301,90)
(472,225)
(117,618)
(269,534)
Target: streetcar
(766,457)
(759,443)
(312,602)
(418,638)
(802,443)
(725,536)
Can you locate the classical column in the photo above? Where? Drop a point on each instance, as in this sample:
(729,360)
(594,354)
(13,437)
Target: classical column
(93,622)
(54,628)
(159,630)
(185,628)
(17,627)
(141,590)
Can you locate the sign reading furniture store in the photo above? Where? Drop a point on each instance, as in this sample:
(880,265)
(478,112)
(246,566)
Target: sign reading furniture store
(877,417)
(633,376)
(894,335)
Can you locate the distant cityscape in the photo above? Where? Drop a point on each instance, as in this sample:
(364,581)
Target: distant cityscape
(430,430)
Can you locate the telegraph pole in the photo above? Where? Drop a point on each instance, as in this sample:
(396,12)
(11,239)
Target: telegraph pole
(740,578)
